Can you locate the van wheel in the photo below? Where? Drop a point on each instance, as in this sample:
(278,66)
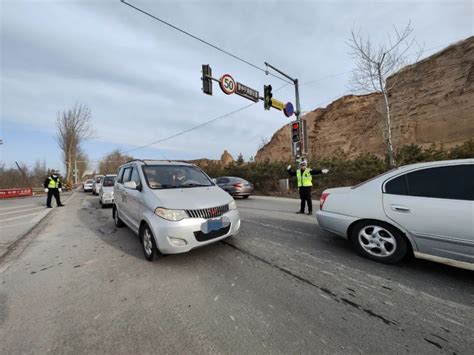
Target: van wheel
(118,222)
(379,241)
(148,243)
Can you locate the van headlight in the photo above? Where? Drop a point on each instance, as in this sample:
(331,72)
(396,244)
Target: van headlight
(232,205)
(171,215)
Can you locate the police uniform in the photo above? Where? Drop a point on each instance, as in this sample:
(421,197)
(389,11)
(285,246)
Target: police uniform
(304,178)
(53,186)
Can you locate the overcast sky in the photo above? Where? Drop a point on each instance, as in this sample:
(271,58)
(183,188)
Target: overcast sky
(141,79)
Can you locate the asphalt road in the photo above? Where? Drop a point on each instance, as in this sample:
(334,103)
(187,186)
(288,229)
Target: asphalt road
(19,215)
(281,286)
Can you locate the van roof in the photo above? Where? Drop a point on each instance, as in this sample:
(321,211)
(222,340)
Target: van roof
(159,162)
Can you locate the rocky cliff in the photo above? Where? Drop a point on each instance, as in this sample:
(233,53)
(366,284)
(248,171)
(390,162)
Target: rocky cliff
(432,101)
(226,159)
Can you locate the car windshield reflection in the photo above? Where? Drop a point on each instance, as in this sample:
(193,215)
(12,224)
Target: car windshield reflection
(176,176)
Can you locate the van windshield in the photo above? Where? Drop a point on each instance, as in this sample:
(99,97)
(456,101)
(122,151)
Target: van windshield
(174,176)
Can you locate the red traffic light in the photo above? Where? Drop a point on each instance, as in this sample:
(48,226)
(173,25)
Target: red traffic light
(296,125)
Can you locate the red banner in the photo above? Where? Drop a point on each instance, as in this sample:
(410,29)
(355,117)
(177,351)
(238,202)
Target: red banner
(6,193)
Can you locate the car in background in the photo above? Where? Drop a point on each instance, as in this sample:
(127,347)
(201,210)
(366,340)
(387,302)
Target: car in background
(235,186)
(426,209)
(97,183)
(88,185)
(106,191)
(174,207)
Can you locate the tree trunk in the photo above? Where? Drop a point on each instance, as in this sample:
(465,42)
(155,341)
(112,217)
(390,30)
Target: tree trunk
(388,121)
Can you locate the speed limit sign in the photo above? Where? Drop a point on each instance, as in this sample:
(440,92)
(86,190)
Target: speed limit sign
(227,84)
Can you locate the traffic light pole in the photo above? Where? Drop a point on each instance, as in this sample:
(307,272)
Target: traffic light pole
(295,83)
(297,100)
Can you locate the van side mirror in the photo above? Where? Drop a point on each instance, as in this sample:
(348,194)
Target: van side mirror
(130,185)
(214,181)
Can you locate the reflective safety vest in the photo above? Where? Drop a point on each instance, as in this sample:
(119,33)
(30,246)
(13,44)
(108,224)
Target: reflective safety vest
(53,184)
(306,179)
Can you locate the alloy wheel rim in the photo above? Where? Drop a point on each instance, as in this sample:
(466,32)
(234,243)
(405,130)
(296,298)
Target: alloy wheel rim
(147,244)
(377,241)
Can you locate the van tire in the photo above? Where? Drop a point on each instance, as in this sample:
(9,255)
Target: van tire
(118,222)
(147,240)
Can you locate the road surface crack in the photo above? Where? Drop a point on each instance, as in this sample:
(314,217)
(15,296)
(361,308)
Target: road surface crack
(309,282)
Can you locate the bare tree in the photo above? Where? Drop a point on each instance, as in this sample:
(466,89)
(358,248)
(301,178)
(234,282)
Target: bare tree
(112,161)
(74,127)
(375,63)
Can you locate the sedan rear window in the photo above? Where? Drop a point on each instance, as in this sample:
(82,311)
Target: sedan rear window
(109,181)
(446,182)
(174,176)
(451,182)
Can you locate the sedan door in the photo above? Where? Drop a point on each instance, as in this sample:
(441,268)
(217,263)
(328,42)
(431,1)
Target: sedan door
(436,206)
(223,183)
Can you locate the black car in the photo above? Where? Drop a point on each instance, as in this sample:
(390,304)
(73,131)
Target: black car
(235,186)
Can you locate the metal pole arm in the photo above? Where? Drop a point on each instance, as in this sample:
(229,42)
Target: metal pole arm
(280,72)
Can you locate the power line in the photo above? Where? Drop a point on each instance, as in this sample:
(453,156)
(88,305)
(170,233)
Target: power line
(202,40)
(191,129)
(198,126)
(325,77)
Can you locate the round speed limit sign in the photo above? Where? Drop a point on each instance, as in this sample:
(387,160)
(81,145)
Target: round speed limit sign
(227,84)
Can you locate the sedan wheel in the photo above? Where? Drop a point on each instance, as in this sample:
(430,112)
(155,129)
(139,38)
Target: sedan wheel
(379,241)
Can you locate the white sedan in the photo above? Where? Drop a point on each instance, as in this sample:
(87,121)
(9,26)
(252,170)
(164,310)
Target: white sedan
(426,209)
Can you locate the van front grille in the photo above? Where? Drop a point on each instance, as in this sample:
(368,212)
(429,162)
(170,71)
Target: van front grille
(202,237)
(207,213)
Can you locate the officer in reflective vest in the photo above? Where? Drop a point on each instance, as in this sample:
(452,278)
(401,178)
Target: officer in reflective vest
(52,185)
(304,177)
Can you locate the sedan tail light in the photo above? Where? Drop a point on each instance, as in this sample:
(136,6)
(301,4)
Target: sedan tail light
(239,184)
(322,200)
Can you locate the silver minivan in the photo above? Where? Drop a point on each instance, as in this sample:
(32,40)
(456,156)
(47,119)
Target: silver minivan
(173,206)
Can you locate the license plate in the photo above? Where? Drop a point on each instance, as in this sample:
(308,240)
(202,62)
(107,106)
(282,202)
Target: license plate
(214,224)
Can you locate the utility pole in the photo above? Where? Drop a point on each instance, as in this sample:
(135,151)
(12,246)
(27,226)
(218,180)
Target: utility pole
(22,172)
(299,148)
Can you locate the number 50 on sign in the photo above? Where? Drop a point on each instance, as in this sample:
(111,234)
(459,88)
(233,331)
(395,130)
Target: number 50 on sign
(227,84)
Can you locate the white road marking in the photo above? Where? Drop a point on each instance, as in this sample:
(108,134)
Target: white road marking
(20,217)
(16,207)
(16,224)
(20,211)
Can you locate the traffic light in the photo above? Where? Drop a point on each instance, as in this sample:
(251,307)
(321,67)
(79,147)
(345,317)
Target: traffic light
(295,132)
(206,79)
(267,97)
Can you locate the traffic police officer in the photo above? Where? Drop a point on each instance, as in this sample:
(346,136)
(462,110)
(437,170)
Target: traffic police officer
(304,177)
(52,185)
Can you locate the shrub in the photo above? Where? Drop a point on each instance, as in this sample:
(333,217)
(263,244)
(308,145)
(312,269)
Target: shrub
(345,171)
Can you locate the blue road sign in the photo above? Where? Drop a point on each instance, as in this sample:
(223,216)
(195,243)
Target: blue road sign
(289,110)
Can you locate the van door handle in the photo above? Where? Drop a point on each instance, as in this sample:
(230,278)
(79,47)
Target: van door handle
(400,208)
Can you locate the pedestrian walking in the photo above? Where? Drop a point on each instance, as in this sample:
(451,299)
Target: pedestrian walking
(304,178)
(53,186)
